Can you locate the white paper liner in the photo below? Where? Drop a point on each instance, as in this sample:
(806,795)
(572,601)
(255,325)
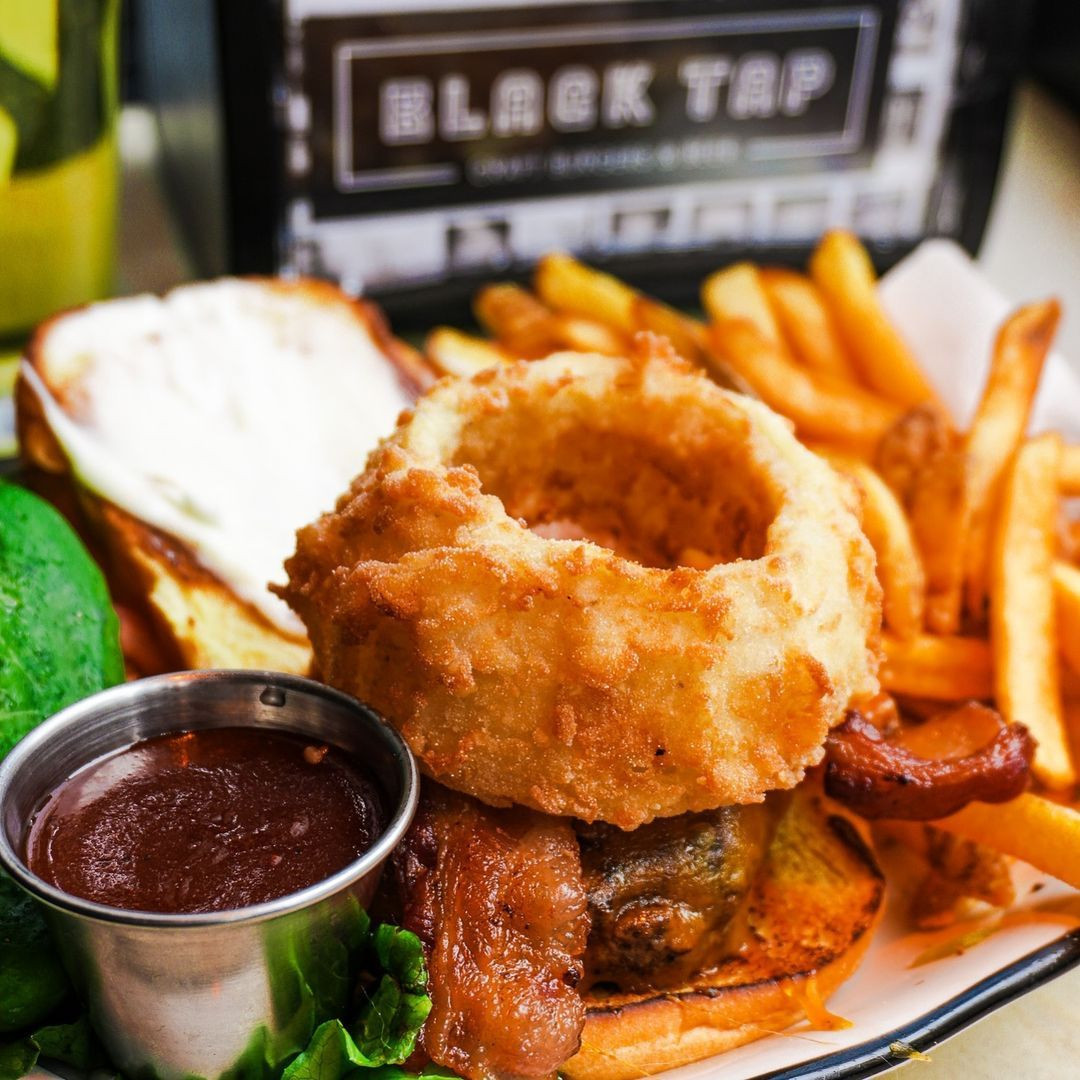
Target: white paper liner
(949,314)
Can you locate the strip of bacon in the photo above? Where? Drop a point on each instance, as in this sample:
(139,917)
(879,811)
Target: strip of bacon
(880,778)
(497,898)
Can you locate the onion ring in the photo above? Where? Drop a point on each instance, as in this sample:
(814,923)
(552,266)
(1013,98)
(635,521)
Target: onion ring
(563,676)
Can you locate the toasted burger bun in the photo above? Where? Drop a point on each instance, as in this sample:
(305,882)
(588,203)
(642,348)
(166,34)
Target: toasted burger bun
(808,922)
(199,620)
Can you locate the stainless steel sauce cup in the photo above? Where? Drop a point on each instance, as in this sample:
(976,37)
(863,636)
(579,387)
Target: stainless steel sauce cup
(181,996)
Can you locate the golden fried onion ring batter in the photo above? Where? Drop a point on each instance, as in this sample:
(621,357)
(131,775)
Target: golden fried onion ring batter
(557,673)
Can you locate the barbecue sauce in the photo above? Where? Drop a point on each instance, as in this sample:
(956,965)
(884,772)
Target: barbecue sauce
(204,821)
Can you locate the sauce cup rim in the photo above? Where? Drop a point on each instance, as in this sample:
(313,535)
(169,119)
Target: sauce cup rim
(37,740)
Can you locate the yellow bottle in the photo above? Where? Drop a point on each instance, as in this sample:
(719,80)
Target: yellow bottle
(59,173)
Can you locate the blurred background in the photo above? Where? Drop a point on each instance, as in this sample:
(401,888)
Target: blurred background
(411,150)
(913,118)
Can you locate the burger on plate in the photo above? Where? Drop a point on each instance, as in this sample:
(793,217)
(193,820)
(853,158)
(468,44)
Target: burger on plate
(616,611)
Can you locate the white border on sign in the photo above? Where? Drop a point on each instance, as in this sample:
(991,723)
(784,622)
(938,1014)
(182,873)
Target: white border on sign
(846,141)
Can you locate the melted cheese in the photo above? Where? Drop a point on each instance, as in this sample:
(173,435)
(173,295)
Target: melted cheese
(227,415)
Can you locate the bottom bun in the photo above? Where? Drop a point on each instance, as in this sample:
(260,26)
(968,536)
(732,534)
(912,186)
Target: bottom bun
(808,922)
(194,613)
(196,619)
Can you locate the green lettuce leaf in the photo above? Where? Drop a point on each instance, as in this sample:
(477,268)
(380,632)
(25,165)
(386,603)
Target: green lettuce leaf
(396,1072)
(401,955)
(59,642)
(390,1019)
(17,1059)
(59,636)
(388,1023)
(72,1044)
(331,1054)
(313,978)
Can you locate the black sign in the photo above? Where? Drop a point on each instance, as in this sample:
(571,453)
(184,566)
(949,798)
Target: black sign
(413,112)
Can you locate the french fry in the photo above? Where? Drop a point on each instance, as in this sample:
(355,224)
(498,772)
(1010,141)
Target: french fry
(1070,687)
(1067,599)
(1069,476)
(589,336)
(737,293)
(686,334)
(912,445)
(942,479)
(953,872)
(453,353)
(744,332)
(1037,830)
(999,425)
(1022,607)
(852,418)
(567,285)
(526,327)
(939,527)
(1071,705)
(844,274)
(806,323)
(517,320)
(1069,538)
(921,458)
(940,668)
(899,569)
(570,287)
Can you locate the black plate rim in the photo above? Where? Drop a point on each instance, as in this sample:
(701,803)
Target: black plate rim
(876,1055)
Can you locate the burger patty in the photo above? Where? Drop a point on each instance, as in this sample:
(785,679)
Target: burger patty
(662,897)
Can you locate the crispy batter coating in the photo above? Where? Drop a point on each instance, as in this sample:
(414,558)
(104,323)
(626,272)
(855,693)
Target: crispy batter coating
(701,666)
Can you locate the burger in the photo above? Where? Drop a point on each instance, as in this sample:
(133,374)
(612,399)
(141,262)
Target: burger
(616,611)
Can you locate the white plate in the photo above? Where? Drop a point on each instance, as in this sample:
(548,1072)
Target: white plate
(898,1006)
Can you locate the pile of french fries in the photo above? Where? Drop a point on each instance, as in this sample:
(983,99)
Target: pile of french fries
(976,557)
